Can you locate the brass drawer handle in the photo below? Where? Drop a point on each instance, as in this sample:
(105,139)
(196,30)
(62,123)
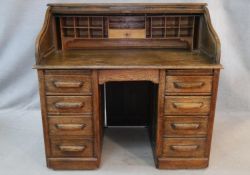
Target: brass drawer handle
(185,126)
(188,85)
(187,105)
(70,126)
(184,147)
(72,148)
(64,105)
(63,84)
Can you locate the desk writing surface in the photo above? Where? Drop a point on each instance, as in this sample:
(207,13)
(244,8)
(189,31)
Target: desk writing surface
(127,58)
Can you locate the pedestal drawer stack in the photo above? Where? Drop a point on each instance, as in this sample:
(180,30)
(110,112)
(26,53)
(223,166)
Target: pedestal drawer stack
(69,117)
(186,113)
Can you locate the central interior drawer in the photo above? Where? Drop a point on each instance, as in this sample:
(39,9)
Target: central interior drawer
(127,33)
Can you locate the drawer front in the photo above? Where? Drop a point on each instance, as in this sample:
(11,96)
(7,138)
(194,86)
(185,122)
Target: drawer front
(185,126)
(184,147)
(69,104)
(68,84)
(72,147)
(188,84)
(70,125)
(199,72)
(127,33)
(187,105)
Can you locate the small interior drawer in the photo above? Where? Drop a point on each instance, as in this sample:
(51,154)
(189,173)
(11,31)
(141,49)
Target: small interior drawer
(72,147)
(68,84)
(127,33)
(69,104)
(187,105)
(184,147)
(68,125)
(181,126)
(188,84)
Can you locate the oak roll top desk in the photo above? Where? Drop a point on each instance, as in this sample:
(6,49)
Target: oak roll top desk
(171,48)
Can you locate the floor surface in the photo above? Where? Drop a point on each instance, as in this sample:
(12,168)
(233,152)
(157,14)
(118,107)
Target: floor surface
(125,151)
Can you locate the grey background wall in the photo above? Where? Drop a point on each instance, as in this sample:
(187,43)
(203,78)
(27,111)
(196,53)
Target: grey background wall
(21,138)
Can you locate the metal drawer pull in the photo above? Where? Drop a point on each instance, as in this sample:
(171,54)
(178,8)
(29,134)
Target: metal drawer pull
(184,147)
(72,84)
(185,126)
(188,105)
(72,148)
(188,85)
(64,105)
(70,126)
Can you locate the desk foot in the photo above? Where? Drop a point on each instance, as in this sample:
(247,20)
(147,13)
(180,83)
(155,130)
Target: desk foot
(73,163)
(182,163)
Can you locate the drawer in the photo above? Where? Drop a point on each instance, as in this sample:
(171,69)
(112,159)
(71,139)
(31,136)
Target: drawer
(185,126)
(127,33)
(187,105)
(69,104)
(72,147)
(68,84)
(199,72)
(68,125)
(188,84)
(184,147)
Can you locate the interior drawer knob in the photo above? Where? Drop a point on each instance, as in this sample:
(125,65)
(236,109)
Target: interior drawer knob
(71,84)
(183,105)
(185,126)
(64,105)
(70,126)
(127,34)
(188,85)
(184,147)
(65,148)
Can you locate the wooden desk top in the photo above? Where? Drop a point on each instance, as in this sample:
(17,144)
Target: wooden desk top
(127,59)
